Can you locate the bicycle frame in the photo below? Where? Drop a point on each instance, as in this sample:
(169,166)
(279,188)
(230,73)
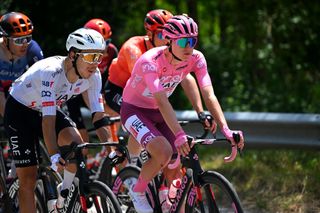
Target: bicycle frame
(82,178)
(191,179)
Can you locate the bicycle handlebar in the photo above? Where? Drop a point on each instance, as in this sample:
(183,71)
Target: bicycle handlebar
(227,159)
(205,131)
(76,147)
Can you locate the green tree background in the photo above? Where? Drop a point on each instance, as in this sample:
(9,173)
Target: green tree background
(262,55)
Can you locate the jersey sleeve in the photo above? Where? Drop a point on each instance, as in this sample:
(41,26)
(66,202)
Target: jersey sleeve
(201,72)
(94,93)
(133,52)
(48,100)
(34,53)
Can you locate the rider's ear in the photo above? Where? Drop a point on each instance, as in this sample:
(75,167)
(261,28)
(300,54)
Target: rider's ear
(72,55)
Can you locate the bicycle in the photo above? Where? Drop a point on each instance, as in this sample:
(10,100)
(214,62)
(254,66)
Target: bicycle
(103,171)
(202,191)
(87,195)
(47,181)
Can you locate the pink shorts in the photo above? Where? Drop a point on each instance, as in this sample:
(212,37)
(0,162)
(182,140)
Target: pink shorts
(145,124)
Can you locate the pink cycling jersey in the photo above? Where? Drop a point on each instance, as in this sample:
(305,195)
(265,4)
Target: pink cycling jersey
(153,73)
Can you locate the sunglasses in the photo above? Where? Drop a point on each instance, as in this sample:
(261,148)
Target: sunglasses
(91,58)
(108,41)
(183,42)
(19,41)
(159,35)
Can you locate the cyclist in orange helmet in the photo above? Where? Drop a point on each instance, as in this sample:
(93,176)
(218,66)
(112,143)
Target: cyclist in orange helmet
(110,53)
(17,50)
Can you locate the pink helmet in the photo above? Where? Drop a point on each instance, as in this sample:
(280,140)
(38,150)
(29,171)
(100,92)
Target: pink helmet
(180,26)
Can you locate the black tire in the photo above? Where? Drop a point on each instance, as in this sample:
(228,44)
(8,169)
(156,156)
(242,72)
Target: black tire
(105,172)
(105,198)
(4,197)
(120,189)
(14,200)
(225,198)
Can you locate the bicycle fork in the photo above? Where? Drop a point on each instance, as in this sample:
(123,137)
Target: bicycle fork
(182,192)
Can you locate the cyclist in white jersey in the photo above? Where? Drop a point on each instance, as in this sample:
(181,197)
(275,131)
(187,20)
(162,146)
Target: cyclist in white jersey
(33,105)
(146,111)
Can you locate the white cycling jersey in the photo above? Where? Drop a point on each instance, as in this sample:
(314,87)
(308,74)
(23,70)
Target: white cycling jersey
(44,87)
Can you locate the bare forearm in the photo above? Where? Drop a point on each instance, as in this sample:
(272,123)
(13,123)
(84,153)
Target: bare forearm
(191,90)
(103,131)
(168,113)
(103,134)
(49,134)
(2,103)
(213,106)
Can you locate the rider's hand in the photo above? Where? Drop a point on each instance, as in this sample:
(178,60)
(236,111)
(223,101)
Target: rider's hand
(229,135)
(181,143)
(57,163)
(207,122)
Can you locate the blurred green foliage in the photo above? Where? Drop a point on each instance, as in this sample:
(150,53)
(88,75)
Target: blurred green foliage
(261,55)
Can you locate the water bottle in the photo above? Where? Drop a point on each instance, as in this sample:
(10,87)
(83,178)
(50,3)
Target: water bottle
(175,185)
(51,205)
(163,195)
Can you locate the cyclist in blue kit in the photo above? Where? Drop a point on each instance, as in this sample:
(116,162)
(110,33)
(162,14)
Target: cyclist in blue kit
(17,50)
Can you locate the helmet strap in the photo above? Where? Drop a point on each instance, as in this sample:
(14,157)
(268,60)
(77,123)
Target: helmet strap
(74,64)
(152,40)
(8,47)
(174,56)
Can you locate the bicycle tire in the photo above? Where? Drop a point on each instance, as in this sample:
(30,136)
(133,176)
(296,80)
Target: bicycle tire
(120,187)
(97,191)
(218,195)
(14,201)
(4,197)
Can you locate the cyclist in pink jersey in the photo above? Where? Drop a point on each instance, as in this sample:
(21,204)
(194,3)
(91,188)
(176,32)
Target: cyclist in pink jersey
(121,68)
(146,111)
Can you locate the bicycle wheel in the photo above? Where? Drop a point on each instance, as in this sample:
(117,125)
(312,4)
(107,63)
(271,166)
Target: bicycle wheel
(120,186)
(100,198)
(13,199)
(4,197)
(217,195)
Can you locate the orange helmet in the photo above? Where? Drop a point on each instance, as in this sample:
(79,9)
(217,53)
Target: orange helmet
(16,24)
(101,26)
(155,19)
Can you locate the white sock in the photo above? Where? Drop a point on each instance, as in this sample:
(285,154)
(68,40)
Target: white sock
(67,179)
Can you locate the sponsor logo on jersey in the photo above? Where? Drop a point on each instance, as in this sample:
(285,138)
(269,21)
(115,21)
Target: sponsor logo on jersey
(47,83)
(149,67)
(47,103)
(29,85)
(76,90)
(136,127)
(57,72)
(46,94)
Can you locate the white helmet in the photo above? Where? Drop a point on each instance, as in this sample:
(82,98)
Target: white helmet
(86,39)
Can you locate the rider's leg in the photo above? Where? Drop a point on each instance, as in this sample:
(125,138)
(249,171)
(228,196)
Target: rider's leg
(134,149)
(65,137)
(160,150)
(27,183)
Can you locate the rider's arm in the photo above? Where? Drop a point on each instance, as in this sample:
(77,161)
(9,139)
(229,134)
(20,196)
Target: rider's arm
(49,133)
(163,103)
(191,90)
(213,105)
(132,54)
(2,103)
(100,121)
(94,100)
